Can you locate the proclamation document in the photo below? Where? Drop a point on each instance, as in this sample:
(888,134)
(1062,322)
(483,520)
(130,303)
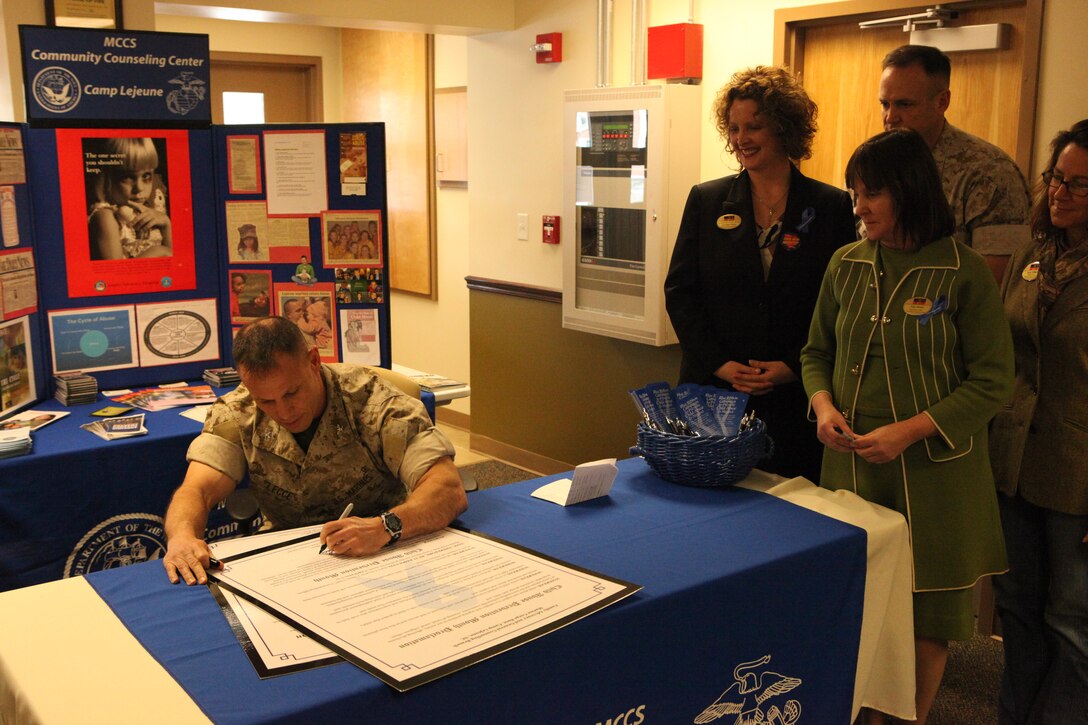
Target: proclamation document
(272,645)
(424,608)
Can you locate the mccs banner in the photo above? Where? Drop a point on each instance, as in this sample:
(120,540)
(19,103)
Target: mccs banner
(83,77)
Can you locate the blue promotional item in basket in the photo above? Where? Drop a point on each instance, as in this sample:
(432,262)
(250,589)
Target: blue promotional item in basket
(708,443)
(704,409)
(694,411)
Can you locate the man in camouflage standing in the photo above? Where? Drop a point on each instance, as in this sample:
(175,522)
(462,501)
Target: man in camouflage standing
(989,197)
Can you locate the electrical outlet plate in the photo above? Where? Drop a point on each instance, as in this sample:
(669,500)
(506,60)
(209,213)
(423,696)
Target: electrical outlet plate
(523,227)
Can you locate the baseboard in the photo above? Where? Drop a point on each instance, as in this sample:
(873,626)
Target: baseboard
(444,414)
(517,456)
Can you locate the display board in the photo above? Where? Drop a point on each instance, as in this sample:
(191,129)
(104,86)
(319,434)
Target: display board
(304,228)
(113,284)
(293,222)
(137,240)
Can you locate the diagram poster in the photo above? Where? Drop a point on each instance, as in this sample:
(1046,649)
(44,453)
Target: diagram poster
(174,332)
(100,338)
(126,206)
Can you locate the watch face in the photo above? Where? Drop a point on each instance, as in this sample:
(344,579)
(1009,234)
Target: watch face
(392,523)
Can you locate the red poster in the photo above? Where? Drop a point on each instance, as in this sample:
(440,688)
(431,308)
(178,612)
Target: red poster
(126,201)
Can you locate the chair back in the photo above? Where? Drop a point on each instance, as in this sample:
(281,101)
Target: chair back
(400,381)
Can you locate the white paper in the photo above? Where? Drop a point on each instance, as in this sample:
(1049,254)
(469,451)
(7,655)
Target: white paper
(199,413)
(278,645)
(638,140)
(295,170)
(583,187)
(425,607)
(582,137)
(638,184)
(591,480)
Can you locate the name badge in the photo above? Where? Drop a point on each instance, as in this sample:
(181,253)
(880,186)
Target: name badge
(917,306)
(1031,272)
(729,221)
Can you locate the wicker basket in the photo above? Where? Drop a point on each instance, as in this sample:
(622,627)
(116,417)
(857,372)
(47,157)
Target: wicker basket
(704,461)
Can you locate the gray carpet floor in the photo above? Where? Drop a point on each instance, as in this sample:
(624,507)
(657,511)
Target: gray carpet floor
(968,693)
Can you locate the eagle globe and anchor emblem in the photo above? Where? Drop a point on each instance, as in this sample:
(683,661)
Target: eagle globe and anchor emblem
(56,89)
(750,695)
(188,96)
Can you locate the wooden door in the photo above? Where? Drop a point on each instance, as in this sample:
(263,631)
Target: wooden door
(291,85)
(840,68)
(389,76)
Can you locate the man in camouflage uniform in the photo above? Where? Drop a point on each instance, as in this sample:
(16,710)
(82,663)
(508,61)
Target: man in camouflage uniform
(989,198)
(313,438)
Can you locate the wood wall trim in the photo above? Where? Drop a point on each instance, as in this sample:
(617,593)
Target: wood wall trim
(1029,87)
(514,289)
(308,64)
(534,462)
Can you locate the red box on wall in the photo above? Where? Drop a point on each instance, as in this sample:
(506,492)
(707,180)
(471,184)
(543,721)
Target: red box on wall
(675,51)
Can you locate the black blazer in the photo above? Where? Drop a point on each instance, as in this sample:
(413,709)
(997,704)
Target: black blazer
(715,294)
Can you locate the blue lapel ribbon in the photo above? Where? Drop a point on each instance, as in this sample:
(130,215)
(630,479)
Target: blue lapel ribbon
(807,215)
(939,306)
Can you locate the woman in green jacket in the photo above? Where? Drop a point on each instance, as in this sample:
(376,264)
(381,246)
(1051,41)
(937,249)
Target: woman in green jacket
(909,356)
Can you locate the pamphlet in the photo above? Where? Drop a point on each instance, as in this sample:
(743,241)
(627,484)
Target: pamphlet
(432,382)
(32,419)
(113,428)
(15,442)
(168,397)
(591,480)
(111,411)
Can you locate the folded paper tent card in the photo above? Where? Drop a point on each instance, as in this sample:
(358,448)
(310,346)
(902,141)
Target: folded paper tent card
(591,480)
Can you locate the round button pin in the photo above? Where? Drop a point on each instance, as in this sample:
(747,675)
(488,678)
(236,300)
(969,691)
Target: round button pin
(729,221)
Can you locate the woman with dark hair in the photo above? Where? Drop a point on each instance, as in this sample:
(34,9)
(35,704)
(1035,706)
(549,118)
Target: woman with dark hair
(908,358)
(1040,439)
(749,257)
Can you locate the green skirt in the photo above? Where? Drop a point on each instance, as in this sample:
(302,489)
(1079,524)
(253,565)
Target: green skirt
(950,507)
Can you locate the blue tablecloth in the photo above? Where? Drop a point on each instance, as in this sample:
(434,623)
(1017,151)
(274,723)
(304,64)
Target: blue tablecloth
(78,503)
(744,596)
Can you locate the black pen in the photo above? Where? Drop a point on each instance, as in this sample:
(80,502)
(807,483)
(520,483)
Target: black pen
(347,512)
(214,563)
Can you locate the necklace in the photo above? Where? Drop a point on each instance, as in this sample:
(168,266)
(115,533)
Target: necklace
(771,215)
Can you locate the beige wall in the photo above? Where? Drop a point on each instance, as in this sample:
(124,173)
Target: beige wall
(1063,94)
(244,37)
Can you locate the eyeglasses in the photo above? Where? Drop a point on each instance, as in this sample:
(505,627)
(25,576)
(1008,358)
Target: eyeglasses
(1076,187)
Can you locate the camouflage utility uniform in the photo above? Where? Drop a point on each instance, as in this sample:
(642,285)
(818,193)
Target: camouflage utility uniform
(986,190)
(371,447)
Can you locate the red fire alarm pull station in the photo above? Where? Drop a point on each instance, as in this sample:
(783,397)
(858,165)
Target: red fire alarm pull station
(551,230)
(548,48)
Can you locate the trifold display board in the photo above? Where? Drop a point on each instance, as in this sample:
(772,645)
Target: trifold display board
(152,246)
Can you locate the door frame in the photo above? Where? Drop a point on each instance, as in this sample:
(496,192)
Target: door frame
(789,38)
(309,65)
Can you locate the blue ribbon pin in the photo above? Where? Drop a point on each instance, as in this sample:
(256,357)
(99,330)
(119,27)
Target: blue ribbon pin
(806,218)
(939,306)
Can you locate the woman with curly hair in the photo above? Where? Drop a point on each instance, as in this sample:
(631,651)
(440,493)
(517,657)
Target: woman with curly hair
(749,257)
